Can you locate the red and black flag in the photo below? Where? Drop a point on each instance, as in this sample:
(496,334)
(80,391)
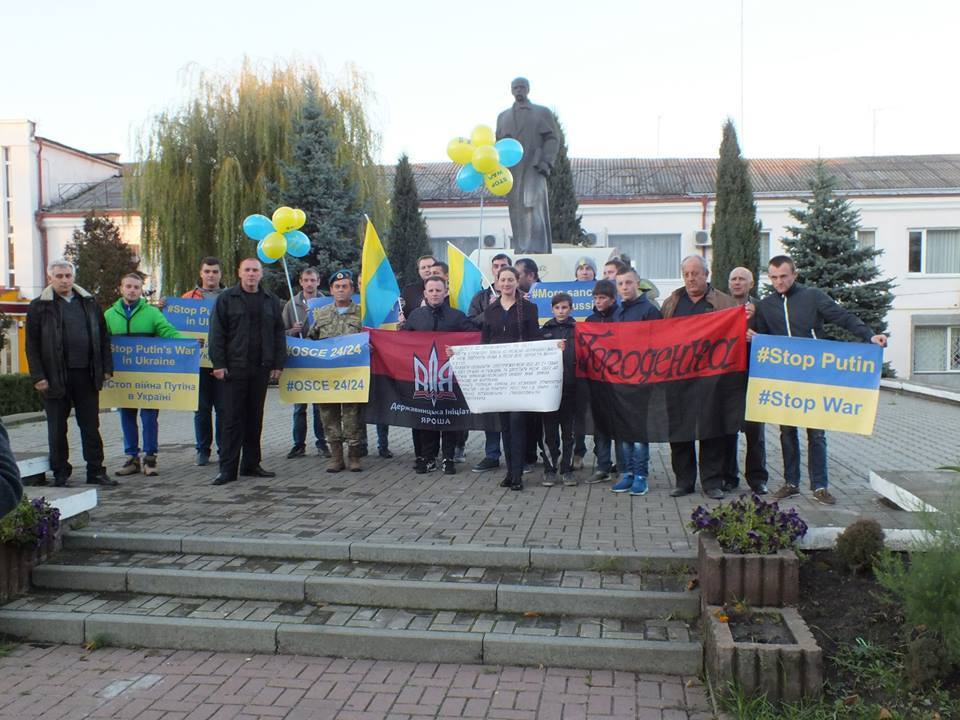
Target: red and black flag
(412,383)
(671,380)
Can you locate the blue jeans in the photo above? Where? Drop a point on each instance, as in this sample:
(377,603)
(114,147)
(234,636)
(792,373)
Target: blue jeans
(816,456)
(383,437)
(491,447)
(208,401)
(300,426)
(636,458)
(131,438)
(601,448)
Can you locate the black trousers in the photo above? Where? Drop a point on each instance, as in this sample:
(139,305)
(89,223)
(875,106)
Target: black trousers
(242,398)
(513,428)
(712,463)
(533,435)
(756,470)
(558,432)
(427,443)
(82,396)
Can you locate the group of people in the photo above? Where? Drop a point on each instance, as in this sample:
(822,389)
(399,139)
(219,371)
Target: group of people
(68,350)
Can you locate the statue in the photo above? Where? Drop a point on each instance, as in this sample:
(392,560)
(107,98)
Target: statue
(535,128)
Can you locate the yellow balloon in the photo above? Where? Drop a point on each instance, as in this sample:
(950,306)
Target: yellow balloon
(482,135)
(460,150)
(499,182)
(284,219)
(300,219)
(274,245)
(485,159)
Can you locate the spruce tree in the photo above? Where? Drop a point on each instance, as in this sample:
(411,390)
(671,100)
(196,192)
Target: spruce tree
(101,258)
(565,224)
(825,250)
(314,182)
(736,231)
(407,239)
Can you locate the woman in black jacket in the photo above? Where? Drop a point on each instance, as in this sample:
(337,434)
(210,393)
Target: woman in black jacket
(511,319)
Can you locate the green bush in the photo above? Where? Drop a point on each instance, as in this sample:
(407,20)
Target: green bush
(859,545)
(17,395)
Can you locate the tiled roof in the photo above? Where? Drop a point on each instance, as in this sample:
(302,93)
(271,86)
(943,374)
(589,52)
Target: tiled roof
(627,179)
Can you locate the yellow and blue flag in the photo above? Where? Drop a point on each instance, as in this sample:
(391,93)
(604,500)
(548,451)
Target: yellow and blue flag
(466,280)
(379,291)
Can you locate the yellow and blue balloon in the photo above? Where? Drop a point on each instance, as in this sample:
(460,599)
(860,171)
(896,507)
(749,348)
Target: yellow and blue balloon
(485,160)
(278,235)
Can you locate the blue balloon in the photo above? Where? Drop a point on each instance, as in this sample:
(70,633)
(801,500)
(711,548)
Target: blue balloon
(298,244)
(263,258)
(257,227)
(511,151)
(468,179)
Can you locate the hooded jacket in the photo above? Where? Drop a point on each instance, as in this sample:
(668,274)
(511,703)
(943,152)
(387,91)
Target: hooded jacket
(45,353)
(635,310)
(801,312)
(145,321)
(602,316)
(553,329)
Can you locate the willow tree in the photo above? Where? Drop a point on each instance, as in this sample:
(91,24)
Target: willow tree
(208,163)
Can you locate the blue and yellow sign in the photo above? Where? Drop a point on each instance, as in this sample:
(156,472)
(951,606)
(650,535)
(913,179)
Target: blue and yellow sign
(154,373)
(814,383)
(582,293)
(335,370)
(192,319)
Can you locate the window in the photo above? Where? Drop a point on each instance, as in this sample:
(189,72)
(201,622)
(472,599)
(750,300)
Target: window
(936,349)
(764,252)
(867,239)
(935,252)
(656,257)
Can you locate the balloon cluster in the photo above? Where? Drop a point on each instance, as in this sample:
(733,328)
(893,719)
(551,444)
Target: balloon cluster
(279,235)
(485,160)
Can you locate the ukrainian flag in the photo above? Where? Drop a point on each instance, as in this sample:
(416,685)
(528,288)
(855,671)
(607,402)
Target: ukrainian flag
(466,280)
(379,291)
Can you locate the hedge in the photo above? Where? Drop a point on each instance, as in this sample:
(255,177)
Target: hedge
(18,396)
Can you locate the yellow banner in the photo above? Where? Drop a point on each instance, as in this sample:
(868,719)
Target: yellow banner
(158,391)
(325,385)
(204,354)
(811,405)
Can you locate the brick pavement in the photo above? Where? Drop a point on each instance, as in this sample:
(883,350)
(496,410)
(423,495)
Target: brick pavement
(388,503)
(67,683)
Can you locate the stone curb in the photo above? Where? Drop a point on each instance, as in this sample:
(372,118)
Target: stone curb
(403,593)
(51,627)
(602,603)
(654,560)
(183,633)
(365,643)
(197,583)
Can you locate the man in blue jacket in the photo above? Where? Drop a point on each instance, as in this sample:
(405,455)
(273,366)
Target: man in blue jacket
(799,311)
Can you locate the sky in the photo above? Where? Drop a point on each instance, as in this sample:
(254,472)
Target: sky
(825,78)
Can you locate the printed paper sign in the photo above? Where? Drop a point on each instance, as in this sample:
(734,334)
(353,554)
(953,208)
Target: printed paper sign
(521,377)
(192,319)
(335,370)
(156,373)
(814,383)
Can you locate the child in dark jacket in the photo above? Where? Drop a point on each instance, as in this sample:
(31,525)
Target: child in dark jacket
(558,425)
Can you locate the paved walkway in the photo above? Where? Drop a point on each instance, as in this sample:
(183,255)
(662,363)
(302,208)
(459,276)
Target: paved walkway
(68,683)
(388,503)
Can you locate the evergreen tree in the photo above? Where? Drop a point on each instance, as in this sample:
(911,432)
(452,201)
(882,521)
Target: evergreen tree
(407,239)
(101,258)
(314,182)
(825,250)
(736,230)
(565,224)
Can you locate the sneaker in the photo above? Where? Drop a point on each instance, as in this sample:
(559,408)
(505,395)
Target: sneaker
(486,464)
(130,467)
(568,479)
(639,486)
(323,450)
(599,476)
(385,453)
(578,462)
(527,469)
(296,451)
(420,466)
(786,490)
(431,465)
(202,458)
(549,479)
(449,468)
(624,484)
(150,465)
(714,494)
(823,496)
(459,455)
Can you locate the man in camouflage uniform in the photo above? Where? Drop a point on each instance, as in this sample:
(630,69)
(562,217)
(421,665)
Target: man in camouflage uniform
(341,421)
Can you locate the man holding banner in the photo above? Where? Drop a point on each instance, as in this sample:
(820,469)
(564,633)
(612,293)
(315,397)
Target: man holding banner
(247,350)
(799,311)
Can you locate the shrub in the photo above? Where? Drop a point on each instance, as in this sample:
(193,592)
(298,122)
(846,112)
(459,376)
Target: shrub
(750,525)
(17,395)
(30,523)
(859,545)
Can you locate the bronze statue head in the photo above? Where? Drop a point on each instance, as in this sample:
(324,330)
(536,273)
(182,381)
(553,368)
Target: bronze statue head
(520,88)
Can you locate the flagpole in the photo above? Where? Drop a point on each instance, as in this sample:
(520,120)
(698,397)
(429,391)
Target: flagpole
(286,271)
(480,235)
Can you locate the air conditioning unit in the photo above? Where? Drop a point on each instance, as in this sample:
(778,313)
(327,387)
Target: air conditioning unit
(489,241)
(590,240)
(702,238)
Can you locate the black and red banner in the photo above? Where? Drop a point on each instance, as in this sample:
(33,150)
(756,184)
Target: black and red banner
(671,380)
(412,383)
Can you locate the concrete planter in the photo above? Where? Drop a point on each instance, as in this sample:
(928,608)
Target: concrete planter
(757,580)
(16,565)
(784,672)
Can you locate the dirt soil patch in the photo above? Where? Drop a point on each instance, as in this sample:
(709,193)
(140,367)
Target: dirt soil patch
(759,627)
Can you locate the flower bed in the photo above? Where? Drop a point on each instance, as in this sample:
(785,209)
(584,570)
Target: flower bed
(28,535)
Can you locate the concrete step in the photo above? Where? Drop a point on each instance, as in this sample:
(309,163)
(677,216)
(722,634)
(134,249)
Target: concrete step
(355,631)
(611,593)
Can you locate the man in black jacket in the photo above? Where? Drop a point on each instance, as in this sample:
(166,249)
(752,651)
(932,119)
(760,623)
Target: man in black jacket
(11,489)
(411,297)
(68,351)
(799,311)
(436,315)
(247,349)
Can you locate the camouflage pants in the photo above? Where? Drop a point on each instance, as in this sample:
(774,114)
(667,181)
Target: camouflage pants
(342,423)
